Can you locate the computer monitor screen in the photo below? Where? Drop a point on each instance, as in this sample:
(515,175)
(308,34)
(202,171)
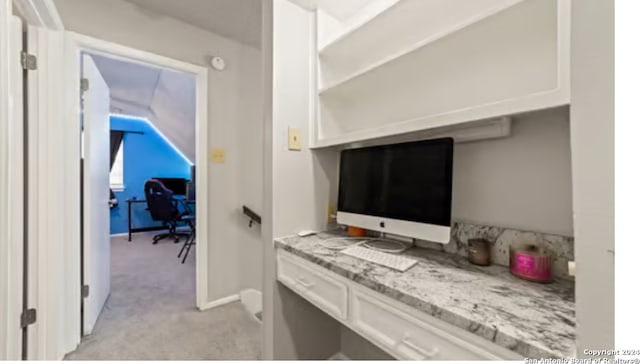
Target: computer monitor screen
(177,185)
(400,188)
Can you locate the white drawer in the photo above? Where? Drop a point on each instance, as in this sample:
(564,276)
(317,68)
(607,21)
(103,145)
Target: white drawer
(408,337)
(315,284)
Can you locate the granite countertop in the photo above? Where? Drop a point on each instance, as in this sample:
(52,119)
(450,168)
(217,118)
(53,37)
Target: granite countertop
(535,320)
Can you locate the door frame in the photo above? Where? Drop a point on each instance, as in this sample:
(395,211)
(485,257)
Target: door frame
(56,285)
(76,44)
(11,188)
(36,15)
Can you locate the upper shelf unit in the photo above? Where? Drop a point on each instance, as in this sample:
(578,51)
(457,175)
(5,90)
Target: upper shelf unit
(424,64)
(331,30)
(405,27)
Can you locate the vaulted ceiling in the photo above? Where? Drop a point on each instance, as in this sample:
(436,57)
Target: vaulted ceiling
(165,97)
(240,20)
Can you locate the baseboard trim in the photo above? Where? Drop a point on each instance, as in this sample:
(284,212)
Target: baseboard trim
(252,300)
(120,234)
(220,302)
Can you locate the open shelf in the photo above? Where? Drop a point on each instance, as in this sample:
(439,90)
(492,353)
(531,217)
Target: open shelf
(507,58)
(462,133)
(332,31)
(403,28)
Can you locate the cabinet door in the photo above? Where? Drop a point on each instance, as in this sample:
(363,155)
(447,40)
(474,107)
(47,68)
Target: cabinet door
(408,337)
(318,287)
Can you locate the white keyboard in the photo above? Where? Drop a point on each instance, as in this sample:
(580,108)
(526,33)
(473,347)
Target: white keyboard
(392,261)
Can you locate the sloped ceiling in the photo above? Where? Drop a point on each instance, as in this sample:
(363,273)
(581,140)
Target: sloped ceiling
(165,97)
(240,20)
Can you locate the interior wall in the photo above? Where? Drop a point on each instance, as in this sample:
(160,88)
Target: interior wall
(124,23)
(523,181)
(297,186)
(250,171)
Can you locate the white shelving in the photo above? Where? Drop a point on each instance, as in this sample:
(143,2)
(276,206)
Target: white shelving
(333,31)
(461,133)
(423,64)
(414,24)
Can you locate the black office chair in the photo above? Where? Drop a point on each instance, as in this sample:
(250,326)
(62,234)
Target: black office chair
(162,207)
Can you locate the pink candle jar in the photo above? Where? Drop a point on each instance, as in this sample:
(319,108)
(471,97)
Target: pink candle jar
(531,262)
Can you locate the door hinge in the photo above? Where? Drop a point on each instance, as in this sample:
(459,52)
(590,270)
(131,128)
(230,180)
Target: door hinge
(84,84)
(28,317)
(28,61)
(85,291)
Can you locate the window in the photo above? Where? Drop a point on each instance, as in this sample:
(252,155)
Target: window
(116,177)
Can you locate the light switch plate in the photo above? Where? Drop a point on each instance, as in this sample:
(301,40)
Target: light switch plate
(217,155)
(294,139)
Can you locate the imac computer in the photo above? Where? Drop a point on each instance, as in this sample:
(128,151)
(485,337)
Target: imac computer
(402,189)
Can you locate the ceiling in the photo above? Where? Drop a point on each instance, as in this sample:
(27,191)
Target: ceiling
(240,20)
(164,97)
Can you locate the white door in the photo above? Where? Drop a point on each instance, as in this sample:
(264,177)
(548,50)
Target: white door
(96,253)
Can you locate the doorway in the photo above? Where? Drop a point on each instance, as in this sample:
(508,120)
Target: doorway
(138,144)
(91,252)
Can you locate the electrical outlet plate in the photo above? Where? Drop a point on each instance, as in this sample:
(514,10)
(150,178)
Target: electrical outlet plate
(294,139)
(217,155)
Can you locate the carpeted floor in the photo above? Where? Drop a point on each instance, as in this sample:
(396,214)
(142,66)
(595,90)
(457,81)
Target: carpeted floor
(151,312)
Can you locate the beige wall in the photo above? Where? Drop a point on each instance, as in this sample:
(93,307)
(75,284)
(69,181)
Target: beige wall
(523,181)
(230,110)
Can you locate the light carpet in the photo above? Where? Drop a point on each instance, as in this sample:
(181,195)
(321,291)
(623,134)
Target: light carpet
(151,314)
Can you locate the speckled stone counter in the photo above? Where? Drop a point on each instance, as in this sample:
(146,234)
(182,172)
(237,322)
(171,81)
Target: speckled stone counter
(532,319)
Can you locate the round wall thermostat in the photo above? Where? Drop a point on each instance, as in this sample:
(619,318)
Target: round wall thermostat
(217,63)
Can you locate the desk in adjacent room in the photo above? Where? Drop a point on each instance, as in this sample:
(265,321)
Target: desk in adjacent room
(187,205)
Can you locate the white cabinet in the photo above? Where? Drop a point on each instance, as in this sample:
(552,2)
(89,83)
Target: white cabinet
(316,286)
(398,329)
(415,336)
(424,64)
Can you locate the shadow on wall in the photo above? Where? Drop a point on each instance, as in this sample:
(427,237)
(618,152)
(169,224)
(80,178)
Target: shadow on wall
(145,156)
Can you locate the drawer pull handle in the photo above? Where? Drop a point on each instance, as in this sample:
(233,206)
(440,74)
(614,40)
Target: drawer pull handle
(426,354)
(304,283)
